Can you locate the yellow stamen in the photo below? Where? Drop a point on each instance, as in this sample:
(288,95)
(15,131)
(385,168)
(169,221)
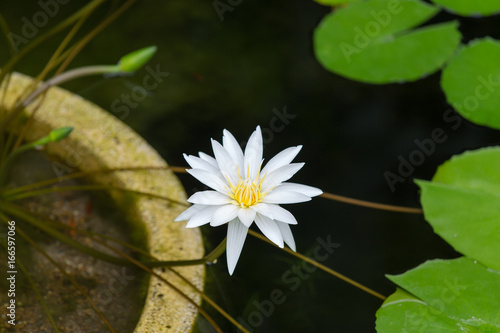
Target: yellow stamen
(246,192)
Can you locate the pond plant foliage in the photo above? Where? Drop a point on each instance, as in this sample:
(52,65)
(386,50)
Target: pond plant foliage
(381,42)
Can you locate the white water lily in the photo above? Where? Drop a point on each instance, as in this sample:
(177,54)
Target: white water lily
(244,193)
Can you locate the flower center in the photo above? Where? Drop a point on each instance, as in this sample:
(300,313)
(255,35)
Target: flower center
(246,192)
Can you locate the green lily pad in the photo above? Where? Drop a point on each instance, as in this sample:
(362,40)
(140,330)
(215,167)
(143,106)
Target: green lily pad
(457,295)
(471,82)
(462,203)
(372,42)
(470,7)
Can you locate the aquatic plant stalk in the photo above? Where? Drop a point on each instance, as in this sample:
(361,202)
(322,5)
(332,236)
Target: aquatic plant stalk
(51,227)
(178,169)
(90,7)
(34,193)
(17,211)
(209,300)
(71,75)
(6,31)
(369,204)
(54,136)
(322,267)
(32,284)
(147,269)
(94,33)
(82,174)
(209,258)
(68,276)
(53,61)
(86,10)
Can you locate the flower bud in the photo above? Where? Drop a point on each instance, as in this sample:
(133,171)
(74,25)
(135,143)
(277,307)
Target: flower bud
(135,60)
(54,136)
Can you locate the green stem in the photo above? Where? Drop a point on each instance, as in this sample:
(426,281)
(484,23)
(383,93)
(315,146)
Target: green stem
(208,259)
(369,204)
(94,33)
(176,289)
(10,158)
(6,31)
(53,61)
(210,301)
(81,175)
(126,259)
(217,252)
(54,136)
(38,295)
(54,58)
(70,75)
(23,52)
(8,67)
(68,276)
(50,226)
(14,210)
(4,141)
(88,188)
(5,87)
(322,267)
(33,285)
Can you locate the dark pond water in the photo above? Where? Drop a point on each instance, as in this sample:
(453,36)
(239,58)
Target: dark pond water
(241,72)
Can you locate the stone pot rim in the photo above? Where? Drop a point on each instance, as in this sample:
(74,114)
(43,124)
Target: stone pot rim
(101,141)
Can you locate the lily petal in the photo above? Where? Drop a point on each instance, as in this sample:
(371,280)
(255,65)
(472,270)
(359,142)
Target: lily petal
(215,181)
(226,163)
(202,217)
(287,235)
(253,154)
(233,148)
(275,212)
(246,216)
(208,159)
(189,213)
(270,229)
(224,214)
(261,191)
(236,235)
(209,198)
(285,197)
(280,175)
(285,157)
(198,163)
(299,188)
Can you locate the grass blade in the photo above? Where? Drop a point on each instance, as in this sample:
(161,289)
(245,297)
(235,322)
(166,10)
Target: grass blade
(67,275)
(320,266)
(32,284)
(88,188)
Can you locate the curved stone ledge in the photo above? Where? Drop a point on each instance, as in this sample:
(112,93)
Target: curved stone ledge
(100,141)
